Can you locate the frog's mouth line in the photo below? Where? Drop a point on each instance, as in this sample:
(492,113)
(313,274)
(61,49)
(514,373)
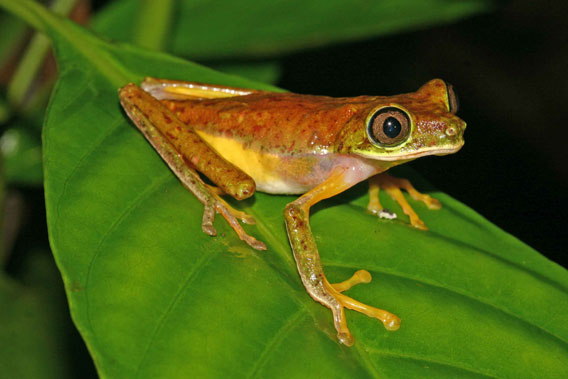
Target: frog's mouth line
(407,157)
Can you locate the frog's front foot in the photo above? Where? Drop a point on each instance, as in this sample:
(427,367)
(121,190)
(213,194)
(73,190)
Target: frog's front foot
(390,321)
(311,271)
(393,187)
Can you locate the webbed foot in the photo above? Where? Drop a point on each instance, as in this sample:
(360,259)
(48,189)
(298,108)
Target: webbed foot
(393,187)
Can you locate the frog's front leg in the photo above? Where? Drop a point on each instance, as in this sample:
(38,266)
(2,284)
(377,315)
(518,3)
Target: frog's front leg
(392,186)
(179,146)
(309,265)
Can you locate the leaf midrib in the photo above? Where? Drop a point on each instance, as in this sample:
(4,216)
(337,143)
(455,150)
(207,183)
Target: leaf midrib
(140,196)
(81,40)
(362,359)
(286,328)
(454,291)
(190,276)
(428,360)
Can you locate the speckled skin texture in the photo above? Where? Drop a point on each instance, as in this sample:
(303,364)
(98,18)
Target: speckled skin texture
(299,139)
(292,124)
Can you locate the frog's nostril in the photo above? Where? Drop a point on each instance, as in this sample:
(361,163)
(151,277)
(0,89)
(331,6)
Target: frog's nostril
(451,131)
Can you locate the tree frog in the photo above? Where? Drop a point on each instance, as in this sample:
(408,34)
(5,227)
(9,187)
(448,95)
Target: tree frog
(285,143)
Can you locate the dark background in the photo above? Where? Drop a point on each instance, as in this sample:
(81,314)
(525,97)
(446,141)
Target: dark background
(508,68)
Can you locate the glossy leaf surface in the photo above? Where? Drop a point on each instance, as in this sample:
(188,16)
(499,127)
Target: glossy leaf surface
(155,297)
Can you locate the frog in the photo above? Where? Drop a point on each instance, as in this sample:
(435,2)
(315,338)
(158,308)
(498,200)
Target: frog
(243,140)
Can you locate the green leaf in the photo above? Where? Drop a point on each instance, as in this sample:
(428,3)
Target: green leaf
(209,29)
(155,297)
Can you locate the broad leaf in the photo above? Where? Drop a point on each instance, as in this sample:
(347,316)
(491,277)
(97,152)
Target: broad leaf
(153,296)
(210,29)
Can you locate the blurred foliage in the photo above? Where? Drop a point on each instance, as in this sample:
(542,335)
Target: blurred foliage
(205,30)
(34,322)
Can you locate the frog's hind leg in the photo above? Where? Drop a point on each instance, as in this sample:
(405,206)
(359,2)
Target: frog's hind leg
(392,186)
(147,113)
(309,264)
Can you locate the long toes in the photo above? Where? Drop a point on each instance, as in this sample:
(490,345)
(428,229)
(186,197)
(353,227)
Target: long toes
(433,204)
(362,276)
(392,323)
(345,338)
(209,229)
(255,244)
(246,218)
(418,224)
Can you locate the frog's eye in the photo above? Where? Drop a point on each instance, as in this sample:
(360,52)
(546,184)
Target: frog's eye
(388,127)
(453,99)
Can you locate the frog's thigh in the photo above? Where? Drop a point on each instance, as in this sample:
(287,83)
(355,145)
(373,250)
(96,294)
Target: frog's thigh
(309,263)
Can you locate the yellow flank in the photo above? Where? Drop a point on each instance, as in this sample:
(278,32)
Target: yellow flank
(262,167)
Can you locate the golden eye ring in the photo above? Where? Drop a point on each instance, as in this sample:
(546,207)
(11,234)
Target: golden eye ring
(388,127)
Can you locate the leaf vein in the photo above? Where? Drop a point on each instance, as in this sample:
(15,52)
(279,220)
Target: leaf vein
(277,338)
(191,274)
(366,361)
(87,153)
(117,222)
(376,351)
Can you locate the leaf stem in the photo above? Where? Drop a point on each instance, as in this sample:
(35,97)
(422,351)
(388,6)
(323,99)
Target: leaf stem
(63,31)
(20,9)
(33,58)
(158,15)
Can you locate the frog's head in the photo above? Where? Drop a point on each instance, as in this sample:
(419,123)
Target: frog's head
(404,127)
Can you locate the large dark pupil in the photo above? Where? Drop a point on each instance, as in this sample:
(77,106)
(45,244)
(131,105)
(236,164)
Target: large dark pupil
(391,127)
